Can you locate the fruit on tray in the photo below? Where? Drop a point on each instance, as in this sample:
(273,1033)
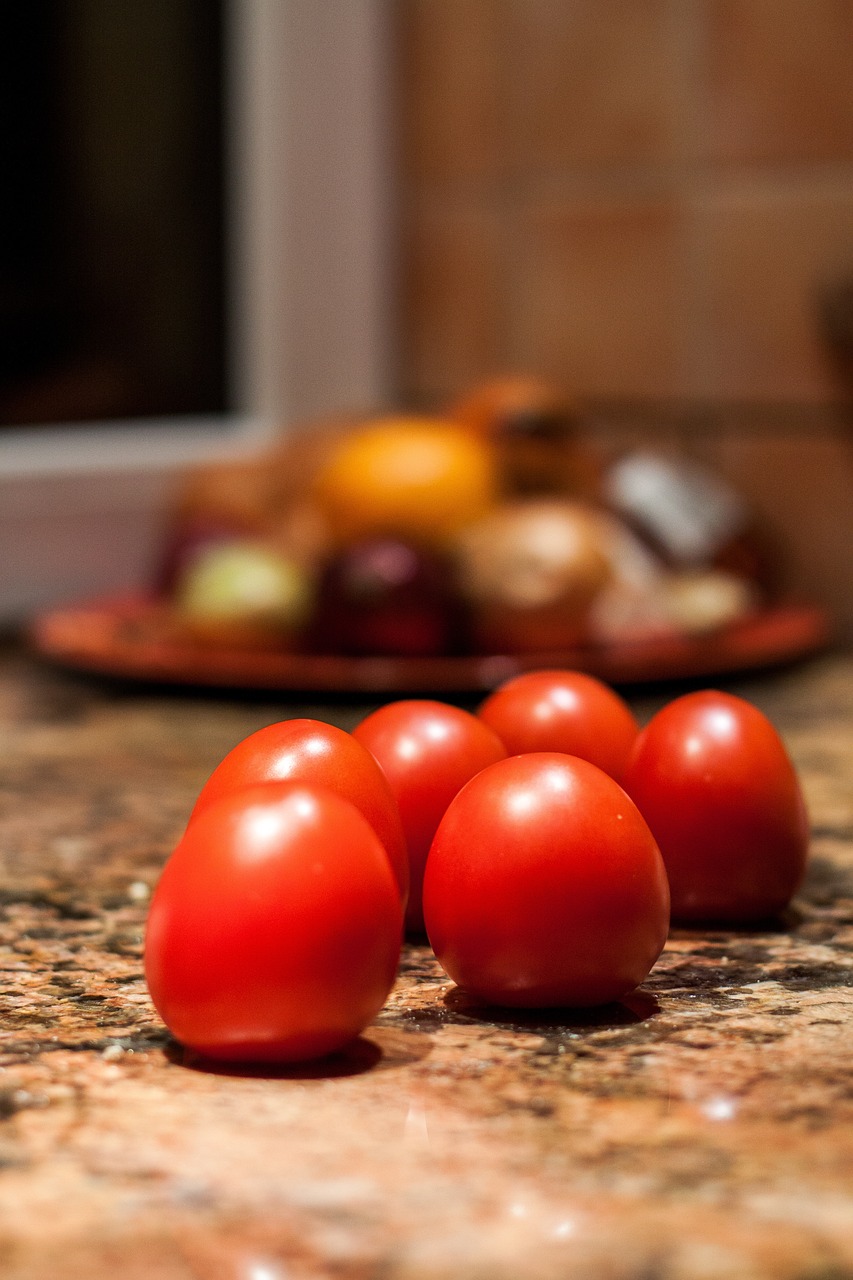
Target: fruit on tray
(532,570)
(495,528)
(243,592)
(386,596)
(534,430)
(688,514)
(413,477)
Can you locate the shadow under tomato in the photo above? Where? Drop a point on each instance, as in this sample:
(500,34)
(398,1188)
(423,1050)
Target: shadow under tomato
(639,1006)
(785,921)
(358,1057)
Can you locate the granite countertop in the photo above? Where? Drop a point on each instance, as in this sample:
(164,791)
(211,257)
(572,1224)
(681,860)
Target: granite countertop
(701,1130)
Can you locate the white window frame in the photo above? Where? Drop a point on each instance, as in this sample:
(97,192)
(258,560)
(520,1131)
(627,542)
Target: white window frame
(310,180)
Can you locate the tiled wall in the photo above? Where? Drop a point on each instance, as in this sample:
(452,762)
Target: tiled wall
(644,200)
(639,197)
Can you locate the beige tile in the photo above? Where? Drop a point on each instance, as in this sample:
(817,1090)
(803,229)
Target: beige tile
(766,257)
(659,426)
(802,486)
(449,65)
(780,76)
(598,301)
(592,82)
(451,305)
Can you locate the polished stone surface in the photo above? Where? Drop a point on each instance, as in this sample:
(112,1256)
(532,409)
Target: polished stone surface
(701,1130)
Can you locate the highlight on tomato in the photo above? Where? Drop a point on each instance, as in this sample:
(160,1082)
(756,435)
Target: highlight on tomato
(274,932)
(714,781)
(427,750)
(567,711)
(544,886)
(311,751)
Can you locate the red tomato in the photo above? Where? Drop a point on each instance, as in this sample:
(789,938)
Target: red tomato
(274,933)
(427,750)
(563,711)
(314,752)
(715,784)
(544,886)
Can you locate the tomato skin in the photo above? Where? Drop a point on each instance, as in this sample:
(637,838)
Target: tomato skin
(312,751)
(274,932)
(544,886)
(564,711)
(713,780)
(427,750)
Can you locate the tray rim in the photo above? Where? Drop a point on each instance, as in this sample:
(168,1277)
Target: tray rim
(96,637)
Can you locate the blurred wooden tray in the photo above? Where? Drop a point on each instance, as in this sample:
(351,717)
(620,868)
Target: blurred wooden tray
(128,638)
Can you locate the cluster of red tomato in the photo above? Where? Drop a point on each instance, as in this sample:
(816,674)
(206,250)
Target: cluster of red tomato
(540,844)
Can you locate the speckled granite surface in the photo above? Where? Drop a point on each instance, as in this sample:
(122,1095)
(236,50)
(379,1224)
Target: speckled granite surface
(703,1130)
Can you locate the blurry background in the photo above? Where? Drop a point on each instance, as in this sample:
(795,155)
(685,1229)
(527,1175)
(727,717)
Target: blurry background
(642,198)
(649,202)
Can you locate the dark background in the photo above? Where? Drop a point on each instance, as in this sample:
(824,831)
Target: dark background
(112,212)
